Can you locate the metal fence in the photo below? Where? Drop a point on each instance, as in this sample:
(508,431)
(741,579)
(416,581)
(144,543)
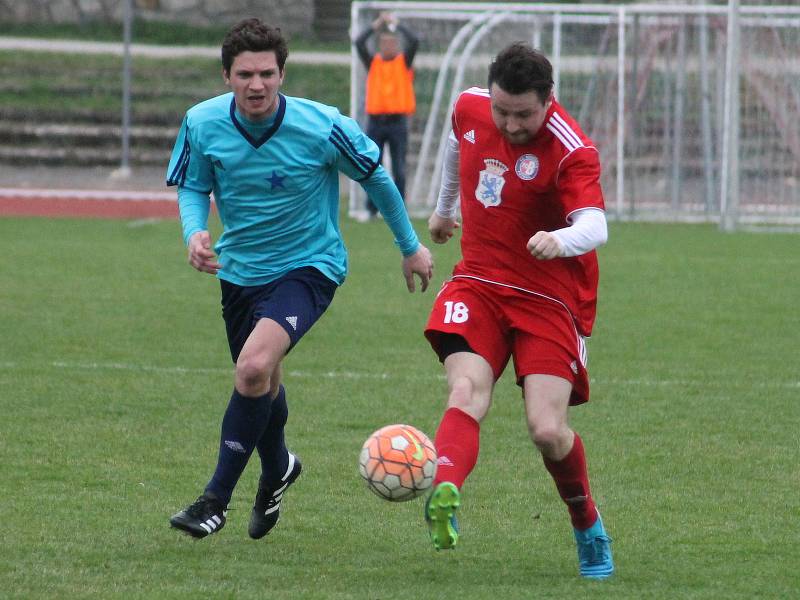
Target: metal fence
(694,108)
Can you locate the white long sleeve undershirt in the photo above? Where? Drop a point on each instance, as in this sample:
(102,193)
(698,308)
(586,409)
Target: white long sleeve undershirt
(587,227)
(587,231)
(447,202)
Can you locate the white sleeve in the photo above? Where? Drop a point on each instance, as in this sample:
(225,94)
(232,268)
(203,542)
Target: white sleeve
(587,231)
(447,203)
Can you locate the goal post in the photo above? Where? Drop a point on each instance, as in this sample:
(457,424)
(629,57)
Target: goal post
(646,82)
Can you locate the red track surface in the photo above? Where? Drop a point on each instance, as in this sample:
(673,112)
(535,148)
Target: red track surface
(88,204)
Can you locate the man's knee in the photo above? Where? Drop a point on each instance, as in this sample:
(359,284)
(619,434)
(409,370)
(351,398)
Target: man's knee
(546,407)
(252,373)
(461,393)
(470,397)
(549,436)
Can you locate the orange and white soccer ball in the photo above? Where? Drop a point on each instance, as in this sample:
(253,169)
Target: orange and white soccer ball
(398,462)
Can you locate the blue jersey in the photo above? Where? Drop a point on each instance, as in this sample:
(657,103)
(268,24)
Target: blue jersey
(276,186)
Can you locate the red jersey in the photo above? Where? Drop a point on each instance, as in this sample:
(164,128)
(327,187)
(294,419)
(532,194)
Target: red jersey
(510,191)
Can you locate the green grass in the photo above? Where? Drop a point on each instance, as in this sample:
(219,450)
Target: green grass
(114,374)
(162,89)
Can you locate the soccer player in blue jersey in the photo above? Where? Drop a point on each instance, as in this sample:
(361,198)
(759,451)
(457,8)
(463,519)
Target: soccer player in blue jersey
(272,162)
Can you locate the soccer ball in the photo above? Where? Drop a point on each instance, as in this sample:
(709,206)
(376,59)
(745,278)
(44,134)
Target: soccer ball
(398,462)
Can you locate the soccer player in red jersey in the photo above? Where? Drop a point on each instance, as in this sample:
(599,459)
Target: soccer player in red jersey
(528,181)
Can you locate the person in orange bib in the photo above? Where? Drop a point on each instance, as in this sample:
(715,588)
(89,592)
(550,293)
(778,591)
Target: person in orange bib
(390,96)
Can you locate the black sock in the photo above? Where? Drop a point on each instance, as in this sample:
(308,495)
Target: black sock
(272,445)
(242,426)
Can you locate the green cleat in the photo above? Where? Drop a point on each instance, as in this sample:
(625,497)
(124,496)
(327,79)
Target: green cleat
(440,509)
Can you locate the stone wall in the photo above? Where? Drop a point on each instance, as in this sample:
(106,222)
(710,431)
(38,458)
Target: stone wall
(293,16)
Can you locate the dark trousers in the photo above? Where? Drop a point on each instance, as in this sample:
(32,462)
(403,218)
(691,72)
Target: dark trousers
(392,130)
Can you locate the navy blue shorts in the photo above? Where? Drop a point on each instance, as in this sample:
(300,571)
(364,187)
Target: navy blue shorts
(295,302)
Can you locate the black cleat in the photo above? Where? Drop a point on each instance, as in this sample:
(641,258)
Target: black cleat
(204,516)
(266,510)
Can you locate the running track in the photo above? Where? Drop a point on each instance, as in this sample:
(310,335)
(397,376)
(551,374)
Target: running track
(100,204)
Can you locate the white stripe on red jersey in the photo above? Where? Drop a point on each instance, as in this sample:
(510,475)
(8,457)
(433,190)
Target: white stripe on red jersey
(563,126)
(564,133)
(476,91)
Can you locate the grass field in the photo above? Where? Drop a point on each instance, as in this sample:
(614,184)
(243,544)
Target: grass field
(162,88)
(114,375)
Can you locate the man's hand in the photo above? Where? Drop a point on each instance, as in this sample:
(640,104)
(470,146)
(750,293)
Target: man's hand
(544,246)
(201,256)
(421,263)
(441,228)
(381,20)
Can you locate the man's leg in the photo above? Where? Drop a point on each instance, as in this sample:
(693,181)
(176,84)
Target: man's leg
(470,382)
(245,420)
(279,469)
(257,369)
(546,404)
(271,446)
(297,302)
(398,145)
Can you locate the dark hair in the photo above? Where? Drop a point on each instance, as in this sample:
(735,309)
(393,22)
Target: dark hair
(254,36)
(519,69)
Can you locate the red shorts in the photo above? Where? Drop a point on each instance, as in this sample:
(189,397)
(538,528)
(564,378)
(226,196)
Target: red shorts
(499,322)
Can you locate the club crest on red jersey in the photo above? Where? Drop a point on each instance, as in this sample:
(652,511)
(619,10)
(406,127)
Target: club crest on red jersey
(490,183)
(527,167)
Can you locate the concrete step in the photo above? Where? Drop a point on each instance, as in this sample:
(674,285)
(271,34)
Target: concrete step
(79,156)
(80,89)
(84,134)
(90,116)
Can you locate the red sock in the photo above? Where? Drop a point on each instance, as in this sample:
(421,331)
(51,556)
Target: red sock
(572,481)
(457,441)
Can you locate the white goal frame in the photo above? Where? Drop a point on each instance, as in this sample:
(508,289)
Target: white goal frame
(700,176)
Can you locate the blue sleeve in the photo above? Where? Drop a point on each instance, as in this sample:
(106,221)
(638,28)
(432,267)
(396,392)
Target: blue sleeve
(188,167)
(385,195)
(194,207)
(357,157)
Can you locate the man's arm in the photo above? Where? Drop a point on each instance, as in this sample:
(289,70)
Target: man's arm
(443,220)
(357,157)
(417,258)
(384,194)
(411,43)
(587,231)
(581,197)
(194,208)
(361,47)
(193,175)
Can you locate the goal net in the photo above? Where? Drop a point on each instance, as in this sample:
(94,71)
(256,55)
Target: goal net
(648,83)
